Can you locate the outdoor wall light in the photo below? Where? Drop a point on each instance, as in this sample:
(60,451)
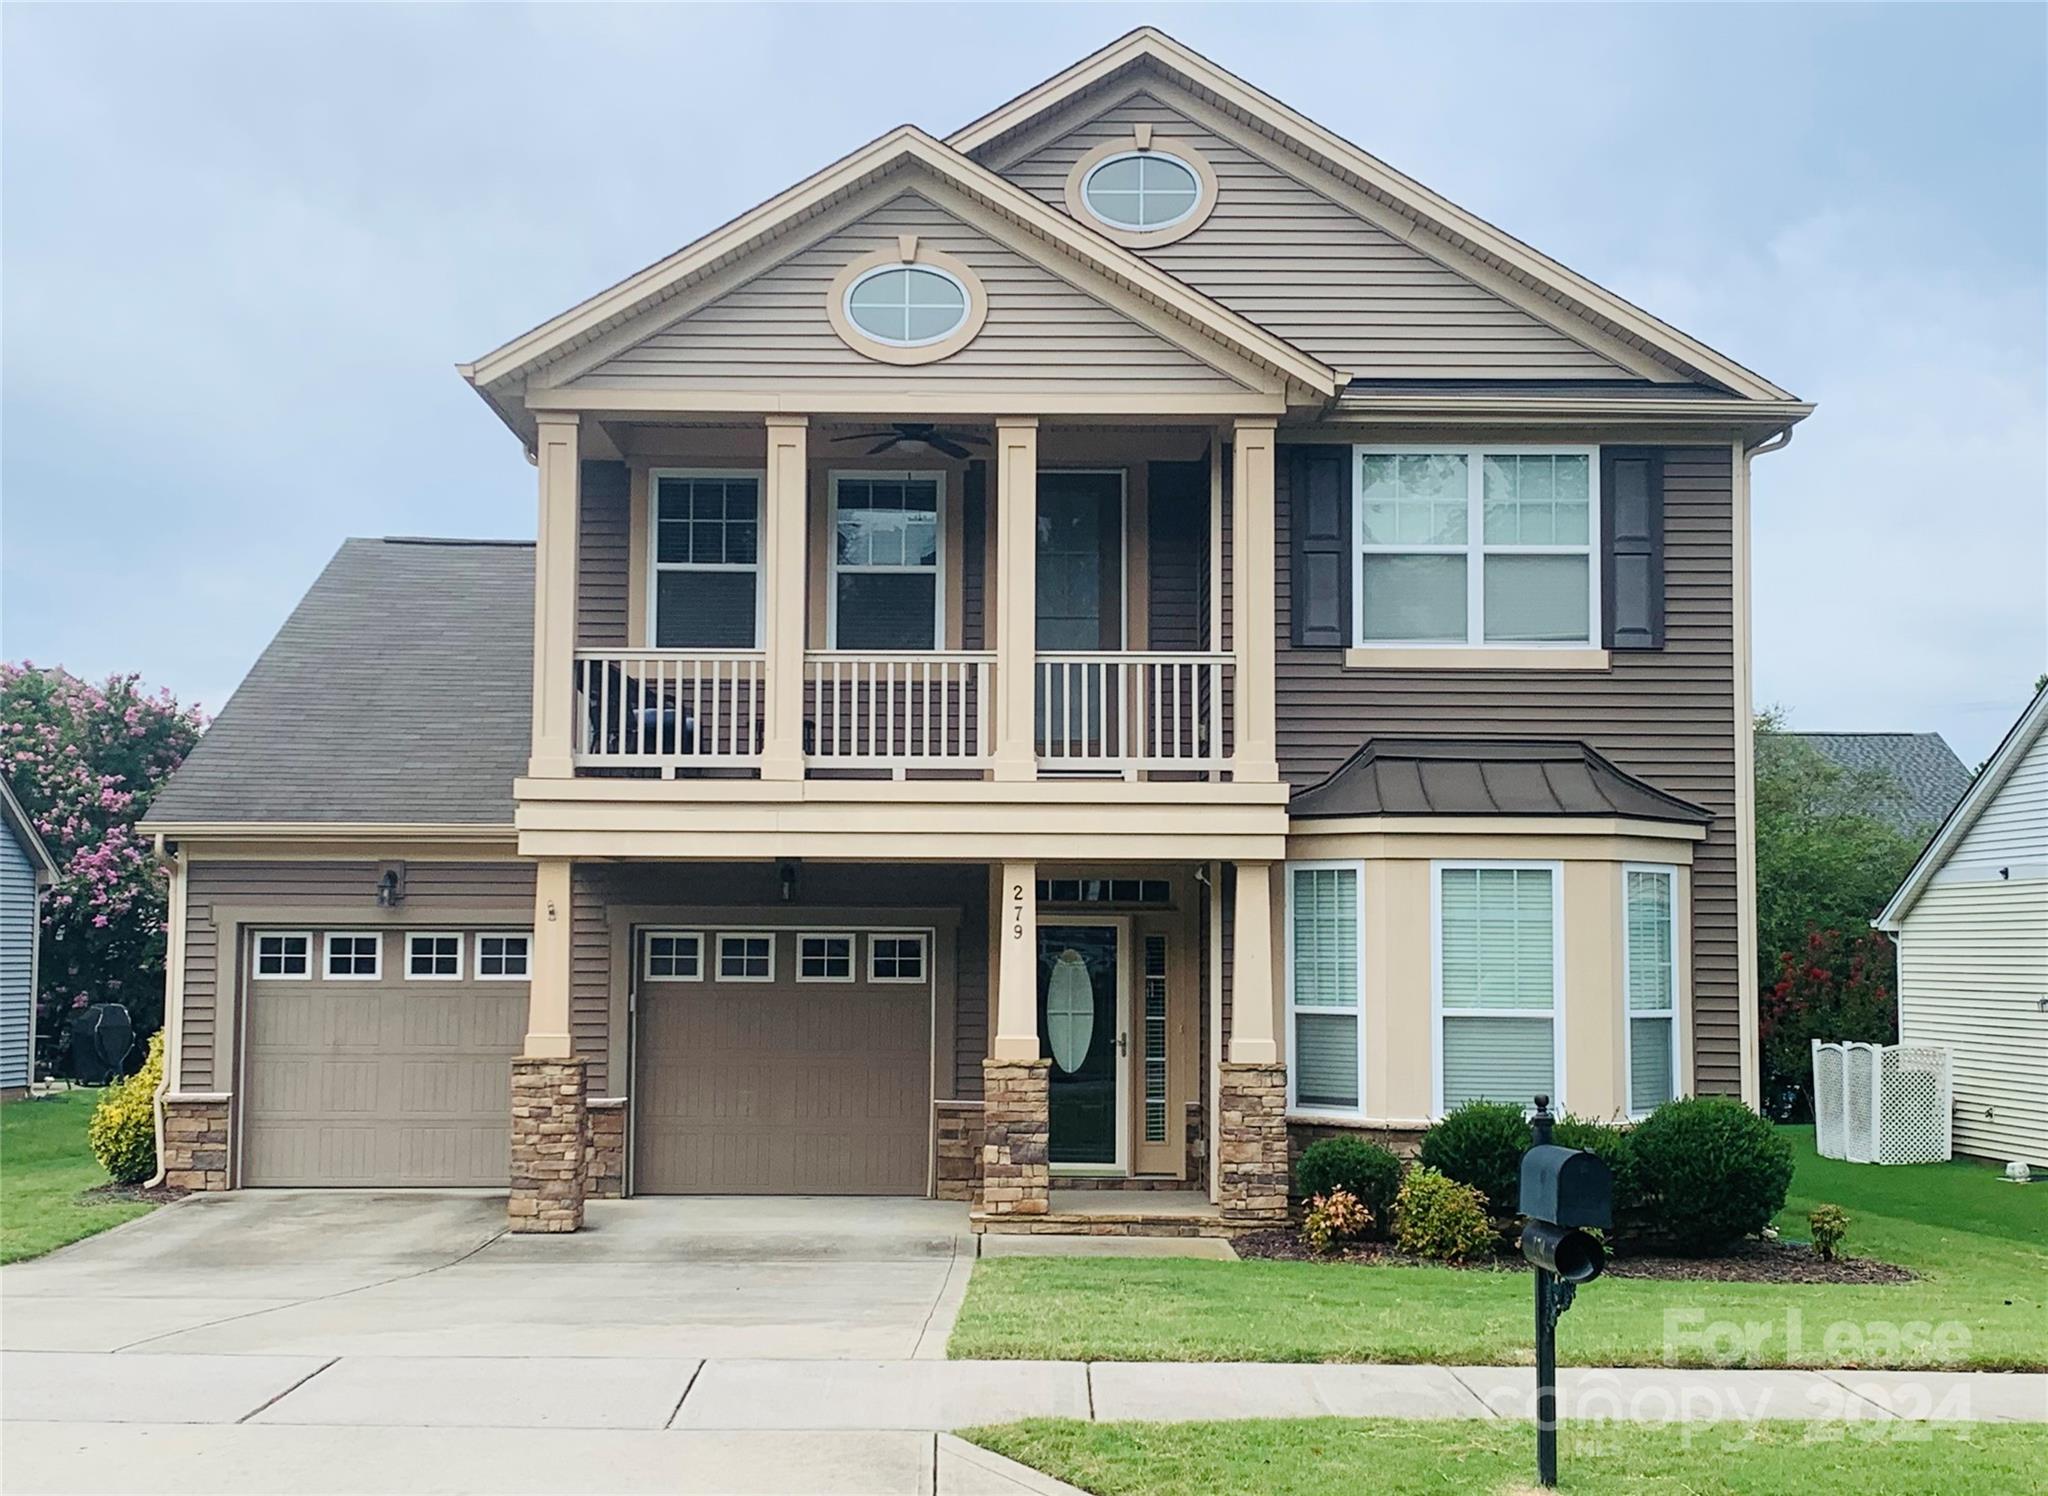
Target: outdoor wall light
(388,890)
(787,872)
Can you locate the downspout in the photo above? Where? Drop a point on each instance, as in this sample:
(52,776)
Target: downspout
(174,995)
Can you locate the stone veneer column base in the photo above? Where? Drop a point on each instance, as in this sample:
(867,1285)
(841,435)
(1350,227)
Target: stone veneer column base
(548,1126)
(604,1153)
(195,1143)
(958,1147)
(1251,1174)
(1015,1116)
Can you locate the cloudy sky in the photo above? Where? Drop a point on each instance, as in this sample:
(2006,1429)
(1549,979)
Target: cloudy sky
(243,248)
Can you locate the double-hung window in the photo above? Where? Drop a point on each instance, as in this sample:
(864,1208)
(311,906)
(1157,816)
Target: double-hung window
(1650,977)
(706,591)
(1499,980)
(888,592)
(1487,546)
(1325,1024)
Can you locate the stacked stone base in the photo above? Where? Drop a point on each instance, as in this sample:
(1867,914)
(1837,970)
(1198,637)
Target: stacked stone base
(959,1143)
(604,1153)
(1015,1169)
(1252,1162)
(548,1130)
(195,1143)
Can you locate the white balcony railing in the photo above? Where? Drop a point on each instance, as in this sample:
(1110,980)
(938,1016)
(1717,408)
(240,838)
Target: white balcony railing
(1127,712)
(917,709)
(669,709)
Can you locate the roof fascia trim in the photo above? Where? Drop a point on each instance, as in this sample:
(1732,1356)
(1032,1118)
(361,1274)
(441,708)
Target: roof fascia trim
(25,831)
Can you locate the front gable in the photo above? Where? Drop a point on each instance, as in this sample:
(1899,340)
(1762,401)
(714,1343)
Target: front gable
(1042,332)
(1290,258)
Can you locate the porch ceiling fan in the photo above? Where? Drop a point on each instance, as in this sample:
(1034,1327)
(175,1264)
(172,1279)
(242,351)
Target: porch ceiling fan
(914,436)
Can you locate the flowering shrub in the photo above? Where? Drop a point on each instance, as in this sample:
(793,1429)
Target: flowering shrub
(1837,987)
(1368,1172)
(122,1132)
(1334,1218)
(85,761)
(1439,1218)
(1829,1224)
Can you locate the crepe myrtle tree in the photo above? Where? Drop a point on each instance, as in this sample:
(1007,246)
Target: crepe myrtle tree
(85,761)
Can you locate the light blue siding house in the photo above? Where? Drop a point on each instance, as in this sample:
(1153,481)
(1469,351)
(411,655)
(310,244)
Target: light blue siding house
(25,871)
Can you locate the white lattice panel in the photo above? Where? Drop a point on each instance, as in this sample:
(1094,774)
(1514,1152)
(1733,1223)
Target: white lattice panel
(1827,1099)
(1873,1104)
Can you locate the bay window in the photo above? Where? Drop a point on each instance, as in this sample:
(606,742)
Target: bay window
(1499,982)
(1476,546)
(706,588)
(1326,1032)
(887,590)
(1650,978)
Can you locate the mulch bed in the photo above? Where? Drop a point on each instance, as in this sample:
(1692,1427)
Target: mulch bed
(1751,1262)
(163,1194)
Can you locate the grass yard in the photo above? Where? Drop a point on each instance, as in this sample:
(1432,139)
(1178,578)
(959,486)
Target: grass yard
(1980,1246)
(44,1164)
(1324,1456)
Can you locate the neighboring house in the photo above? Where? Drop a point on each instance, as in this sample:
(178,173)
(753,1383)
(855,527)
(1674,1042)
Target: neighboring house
(1971,925)
(25,871)
(1078,653)
(1930,779)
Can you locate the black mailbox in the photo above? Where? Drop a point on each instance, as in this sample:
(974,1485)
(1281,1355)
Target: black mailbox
(1566,1187)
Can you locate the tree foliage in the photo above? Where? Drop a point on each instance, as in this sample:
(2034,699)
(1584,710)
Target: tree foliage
(85,761)
(1841,985)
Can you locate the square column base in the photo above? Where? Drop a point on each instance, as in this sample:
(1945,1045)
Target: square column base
(549,1126)
(195,1144)
(1016,1119)
(1251,1152)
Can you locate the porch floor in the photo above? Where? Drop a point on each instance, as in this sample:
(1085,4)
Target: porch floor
(1115,1213)
(1125,1204)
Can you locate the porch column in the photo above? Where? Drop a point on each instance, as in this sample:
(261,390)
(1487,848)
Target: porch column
(1251,1124)
(554,597)
(785,508)
(1016,1172)
(1253,561)
(549,1123)
(1016,755)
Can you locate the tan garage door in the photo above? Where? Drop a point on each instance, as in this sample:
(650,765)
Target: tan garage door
(378,1079)
(781,1087)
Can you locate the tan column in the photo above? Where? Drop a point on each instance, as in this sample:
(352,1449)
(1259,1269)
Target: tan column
(554,597)
(1251,993)
(1016,1015)
(785,514)
(1016,755)
(547,1003)
(1253,562)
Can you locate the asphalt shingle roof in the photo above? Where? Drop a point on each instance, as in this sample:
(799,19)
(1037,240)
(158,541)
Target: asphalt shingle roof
(1930,777)
(400,690)
(1486,777)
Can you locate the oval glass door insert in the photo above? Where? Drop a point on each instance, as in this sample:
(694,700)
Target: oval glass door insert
(1069,1011)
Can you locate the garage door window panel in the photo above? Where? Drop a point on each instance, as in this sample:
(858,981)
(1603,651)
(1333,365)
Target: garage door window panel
(896,958)
(353,956)
(824,958)
(746,958)
(434,956)
(285,957)
(503,958)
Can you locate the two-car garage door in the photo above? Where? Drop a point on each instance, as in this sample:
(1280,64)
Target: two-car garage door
(381,1057)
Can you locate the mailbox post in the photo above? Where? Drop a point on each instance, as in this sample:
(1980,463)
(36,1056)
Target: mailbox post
(1563,1191)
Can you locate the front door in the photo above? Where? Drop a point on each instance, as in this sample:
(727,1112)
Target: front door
(1081,1031)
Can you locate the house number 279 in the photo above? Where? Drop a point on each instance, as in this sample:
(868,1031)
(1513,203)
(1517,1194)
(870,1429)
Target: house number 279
(1016,911)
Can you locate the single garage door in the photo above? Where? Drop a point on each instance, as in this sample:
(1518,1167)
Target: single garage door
(783,1063)
(382,1057)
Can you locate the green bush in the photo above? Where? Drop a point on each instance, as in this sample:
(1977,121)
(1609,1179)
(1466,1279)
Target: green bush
(1333,1219)
(122,1132)
(1481,1144)
(1828,1225)
(1614,1146)
(1711,1172)
(1442,1219)
(1367,1172)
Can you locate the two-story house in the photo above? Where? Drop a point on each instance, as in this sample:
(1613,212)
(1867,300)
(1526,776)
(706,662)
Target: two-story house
(1065,657)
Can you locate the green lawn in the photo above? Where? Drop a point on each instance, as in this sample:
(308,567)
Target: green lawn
(44,1164)
(1326,1456)
(1980,1245)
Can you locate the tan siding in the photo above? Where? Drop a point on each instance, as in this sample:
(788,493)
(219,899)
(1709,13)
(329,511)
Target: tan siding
(601,556)
(1667,716)
(348,887)
(772,333)
(1973,972)
(1314,273)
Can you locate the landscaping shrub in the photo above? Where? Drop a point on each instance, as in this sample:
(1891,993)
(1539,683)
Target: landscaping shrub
(122,1132)
(1334,1218)
(1367,1172)
(1481,1144)
(1442,1219)
(1711,1172)
(1829,1224)
(1614,1146)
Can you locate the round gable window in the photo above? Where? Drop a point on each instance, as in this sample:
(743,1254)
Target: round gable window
(1144,191)
(907,306)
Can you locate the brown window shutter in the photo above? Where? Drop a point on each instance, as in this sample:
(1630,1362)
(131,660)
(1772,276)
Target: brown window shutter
(1319,525)
(1632,547)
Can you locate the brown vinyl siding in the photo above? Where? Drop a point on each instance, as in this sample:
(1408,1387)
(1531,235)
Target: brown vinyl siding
(603,542)
(1666,716)
(1042,334)
(347,888)
(1312,272)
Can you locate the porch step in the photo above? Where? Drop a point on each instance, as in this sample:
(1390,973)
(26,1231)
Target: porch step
(1115,1213)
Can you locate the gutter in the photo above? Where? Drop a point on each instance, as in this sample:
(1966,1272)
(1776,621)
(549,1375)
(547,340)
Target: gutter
(173,1022)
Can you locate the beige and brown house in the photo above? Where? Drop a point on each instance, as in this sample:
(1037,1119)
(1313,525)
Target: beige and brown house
(1070,656)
